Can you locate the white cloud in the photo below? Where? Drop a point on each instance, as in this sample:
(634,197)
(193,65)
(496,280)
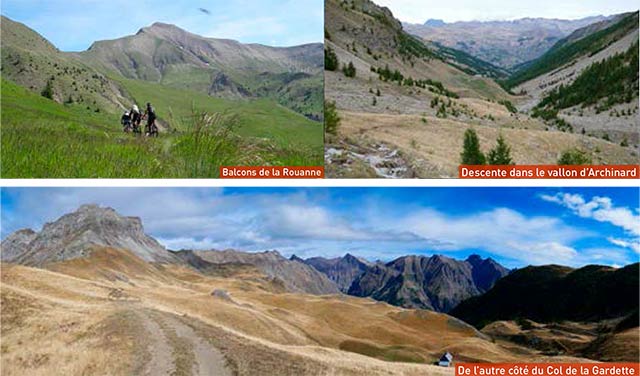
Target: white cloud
(600,209)
(633,244)
(502,231)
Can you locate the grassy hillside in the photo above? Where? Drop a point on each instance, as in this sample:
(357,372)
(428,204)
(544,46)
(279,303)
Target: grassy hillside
(554,293)
(31,61)
(564,51)
(44,139)
(261,118)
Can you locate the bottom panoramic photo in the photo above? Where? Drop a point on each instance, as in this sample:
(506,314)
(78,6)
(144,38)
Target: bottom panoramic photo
(316,281)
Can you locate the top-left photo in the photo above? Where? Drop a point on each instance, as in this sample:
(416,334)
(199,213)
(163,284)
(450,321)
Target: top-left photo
(159,89)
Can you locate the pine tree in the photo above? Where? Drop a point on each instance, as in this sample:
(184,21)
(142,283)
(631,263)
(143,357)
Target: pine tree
(501,154)
(331,118)
(471,153)
(330,59)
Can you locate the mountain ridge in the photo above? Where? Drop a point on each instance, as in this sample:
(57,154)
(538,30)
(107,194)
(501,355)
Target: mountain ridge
(225,68)
(505,43)
(553,293)
(437,282)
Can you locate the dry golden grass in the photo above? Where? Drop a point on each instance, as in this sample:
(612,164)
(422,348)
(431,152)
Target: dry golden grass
(87,317)
(436,145)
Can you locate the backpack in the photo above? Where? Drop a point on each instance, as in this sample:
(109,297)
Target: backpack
(151,113)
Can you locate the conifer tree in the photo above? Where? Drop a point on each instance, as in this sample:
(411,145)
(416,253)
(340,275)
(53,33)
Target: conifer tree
(501,154)
(471,153)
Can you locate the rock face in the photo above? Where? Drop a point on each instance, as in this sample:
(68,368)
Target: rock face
(295,276)
(438,283)
(16,244)
(73,235)
(341,270)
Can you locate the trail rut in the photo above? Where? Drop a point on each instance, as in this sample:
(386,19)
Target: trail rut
(176,349)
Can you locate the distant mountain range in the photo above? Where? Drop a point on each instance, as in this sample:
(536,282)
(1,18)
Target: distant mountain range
(477,290)
(503,43)
(437,283)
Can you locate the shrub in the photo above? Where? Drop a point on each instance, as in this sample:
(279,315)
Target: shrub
(349,70)
(574,156)
(510,107)
(47,92)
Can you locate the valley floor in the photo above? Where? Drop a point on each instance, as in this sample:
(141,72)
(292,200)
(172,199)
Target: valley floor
(392,145)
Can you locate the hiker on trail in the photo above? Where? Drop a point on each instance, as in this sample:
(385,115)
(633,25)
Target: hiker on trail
(125,120)
(136,118)
(151,128)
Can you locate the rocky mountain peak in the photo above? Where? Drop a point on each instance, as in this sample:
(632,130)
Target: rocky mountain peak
(434,23)
(75,234)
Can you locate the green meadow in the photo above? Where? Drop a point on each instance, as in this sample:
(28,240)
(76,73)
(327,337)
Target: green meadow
(41,138)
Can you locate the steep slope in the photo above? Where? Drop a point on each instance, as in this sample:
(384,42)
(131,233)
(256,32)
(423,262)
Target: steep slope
(588,82)
(438,283)
(341,270)
(166,54)
(33,62)
(586,41)
(75,234)
(293,275)
(554,293)
(503,43)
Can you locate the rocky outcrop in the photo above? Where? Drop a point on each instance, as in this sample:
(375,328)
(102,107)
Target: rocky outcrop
(341,270)
(439,283)
(74,235)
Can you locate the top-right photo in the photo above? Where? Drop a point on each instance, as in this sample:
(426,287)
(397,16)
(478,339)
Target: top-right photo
(416,88)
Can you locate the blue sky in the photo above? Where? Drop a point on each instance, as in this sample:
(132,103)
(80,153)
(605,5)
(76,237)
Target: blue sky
(516,226)
(73,26)
(418,11)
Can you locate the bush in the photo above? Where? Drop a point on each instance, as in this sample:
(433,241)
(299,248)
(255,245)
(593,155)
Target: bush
(349,70)
(331,118)
(471,153)
(574,157)
(510,107)
(47,92)
(330,59)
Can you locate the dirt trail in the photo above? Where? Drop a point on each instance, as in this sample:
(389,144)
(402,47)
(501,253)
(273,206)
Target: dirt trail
(169,339)
(161,362)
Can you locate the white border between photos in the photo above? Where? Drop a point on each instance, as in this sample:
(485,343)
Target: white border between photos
(216,183)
